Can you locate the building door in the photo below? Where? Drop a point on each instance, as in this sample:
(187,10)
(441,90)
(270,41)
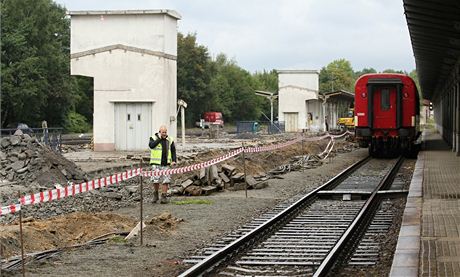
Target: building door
(291,122)
(133,125)
(384,108)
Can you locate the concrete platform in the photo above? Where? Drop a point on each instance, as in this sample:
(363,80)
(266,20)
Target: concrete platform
(429,239)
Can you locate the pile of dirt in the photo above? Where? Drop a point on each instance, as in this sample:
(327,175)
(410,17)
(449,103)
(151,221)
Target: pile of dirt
(164,222)
(61,231)
(28,166)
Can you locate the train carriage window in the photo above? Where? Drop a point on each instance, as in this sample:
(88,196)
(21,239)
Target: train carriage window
(385,99)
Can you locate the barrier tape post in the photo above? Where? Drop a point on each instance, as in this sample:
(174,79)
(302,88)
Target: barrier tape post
(1,256)
(244,167)
(302,144)
(22,240)
(141,190)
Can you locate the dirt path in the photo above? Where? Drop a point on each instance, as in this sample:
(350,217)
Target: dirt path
(165,247)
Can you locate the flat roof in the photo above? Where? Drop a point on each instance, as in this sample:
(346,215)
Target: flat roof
(296,71)
(171,13)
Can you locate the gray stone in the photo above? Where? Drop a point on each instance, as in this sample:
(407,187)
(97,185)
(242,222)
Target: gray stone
(15,140)
(17,165)
(22,170)
(186,183)
(29,153)
(13,159)
(22,156)
(64,172)
(112,195)
(131,189)
(2,156)
(5,142)
(11,176)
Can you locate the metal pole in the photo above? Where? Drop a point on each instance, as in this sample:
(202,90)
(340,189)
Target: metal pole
(141,204)
(271,110)
(244,168)
(22,239)
(302,144)
(182,116)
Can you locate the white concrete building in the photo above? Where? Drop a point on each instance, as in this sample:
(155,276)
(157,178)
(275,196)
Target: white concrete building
(132,57)
(298,103)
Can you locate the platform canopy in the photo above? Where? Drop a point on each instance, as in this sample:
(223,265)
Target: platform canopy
(434,28)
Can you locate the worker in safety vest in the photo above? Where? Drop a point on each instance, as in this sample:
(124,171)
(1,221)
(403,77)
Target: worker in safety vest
(162,156)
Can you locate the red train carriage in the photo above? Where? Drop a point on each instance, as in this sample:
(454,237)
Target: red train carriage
(387,114)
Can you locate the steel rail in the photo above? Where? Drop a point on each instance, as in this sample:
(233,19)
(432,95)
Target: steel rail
(211,261)
(370,205)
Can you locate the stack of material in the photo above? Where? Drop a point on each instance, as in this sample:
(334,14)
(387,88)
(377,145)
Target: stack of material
(28,166)
(216,178)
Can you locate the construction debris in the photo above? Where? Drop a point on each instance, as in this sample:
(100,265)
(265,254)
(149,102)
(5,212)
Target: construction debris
(28,166)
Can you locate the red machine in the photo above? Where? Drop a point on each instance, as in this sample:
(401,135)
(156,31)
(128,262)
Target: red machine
(211,118)
(387,114)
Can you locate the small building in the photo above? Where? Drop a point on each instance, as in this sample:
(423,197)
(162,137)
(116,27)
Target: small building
(302,107)
(131,56)
(298,100)
(338,104)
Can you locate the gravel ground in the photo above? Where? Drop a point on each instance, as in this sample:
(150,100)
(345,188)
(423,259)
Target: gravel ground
(163,250)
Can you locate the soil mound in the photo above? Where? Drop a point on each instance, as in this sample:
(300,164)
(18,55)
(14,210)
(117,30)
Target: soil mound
(61,231)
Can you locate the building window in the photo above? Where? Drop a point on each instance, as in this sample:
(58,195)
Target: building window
(139,117)
(385,99)
(129,117)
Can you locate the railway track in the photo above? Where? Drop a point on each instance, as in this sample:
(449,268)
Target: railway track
(313,234)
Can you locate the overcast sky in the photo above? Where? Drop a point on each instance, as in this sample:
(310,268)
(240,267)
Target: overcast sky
(288,34)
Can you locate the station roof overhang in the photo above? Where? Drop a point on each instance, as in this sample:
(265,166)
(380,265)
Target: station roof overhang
(434,28)
(338,95)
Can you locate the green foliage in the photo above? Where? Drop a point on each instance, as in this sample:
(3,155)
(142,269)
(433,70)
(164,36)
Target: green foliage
(364,71)
(389,70)
(267,81)
(76,123)
(337,75)
(117,240)
(414,76)
(192,201)
(82,96)
(218,84)
(193,75)
(35,62)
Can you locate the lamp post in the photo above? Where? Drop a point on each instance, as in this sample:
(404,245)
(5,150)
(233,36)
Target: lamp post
(182,104)
(270,96)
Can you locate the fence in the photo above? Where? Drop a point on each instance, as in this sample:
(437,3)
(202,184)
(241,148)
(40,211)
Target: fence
(48,136)
(264,127)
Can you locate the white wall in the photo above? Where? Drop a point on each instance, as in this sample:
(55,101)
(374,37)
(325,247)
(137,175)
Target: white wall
(295,88)
(151,31)
(125,74)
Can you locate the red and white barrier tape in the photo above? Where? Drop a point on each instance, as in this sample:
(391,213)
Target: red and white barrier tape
(74,189)
(71,190)
(193,166)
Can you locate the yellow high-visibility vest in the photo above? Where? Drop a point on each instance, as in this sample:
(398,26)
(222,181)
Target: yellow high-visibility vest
(155,153)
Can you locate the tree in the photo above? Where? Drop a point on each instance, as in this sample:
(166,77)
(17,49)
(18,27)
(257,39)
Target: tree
(193,75)
(413,74)
(231,91)
(394,71)
(337,75)
(35,62)
(267,81)
(364,71)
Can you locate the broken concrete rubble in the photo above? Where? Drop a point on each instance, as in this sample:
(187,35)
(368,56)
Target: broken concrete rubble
(28,166)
